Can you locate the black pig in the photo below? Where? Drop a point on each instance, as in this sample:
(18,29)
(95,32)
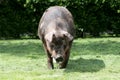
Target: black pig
(56,30)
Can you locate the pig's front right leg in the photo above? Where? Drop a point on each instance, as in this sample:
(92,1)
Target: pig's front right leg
(50,61)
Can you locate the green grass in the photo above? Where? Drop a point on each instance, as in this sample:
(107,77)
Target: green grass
(91,59)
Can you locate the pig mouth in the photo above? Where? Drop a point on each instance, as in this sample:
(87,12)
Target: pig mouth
(58,59)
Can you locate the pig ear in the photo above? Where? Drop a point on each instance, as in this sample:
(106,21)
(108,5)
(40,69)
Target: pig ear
(49,37)
(68,36)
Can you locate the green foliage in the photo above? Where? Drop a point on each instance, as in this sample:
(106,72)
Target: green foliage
(21,17)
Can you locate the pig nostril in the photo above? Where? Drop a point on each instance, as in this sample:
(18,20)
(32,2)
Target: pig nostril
(59,59)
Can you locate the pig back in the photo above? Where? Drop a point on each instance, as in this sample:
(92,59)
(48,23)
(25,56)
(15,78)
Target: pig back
(51,15)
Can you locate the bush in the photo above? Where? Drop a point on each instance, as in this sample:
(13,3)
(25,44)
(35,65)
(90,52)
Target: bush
(21,17)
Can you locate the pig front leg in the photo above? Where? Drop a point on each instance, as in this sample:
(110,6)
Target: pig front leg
(65,61)
(49,61)
(66,57)
(49,58)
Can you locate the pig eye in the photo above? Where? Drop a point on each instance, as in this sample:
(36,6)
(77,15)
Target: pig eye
(52,45)
(64,46)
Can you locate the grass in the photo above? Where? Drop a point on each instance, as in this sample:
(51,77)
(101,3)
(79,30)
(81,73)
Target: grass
(91,59)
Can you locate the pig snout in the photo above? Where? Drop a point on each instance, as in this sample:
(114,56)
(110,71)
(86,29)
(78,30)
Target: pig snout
(58,58)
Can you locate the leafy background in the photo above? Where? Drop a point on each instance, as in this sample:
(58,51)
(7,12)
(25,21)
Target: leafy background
(20,18)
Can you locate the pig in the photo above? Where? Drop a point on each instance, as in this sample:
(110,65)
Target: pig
(56,30)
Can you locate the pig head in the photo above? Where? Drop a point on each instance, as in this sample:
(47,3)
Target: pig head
(56,30)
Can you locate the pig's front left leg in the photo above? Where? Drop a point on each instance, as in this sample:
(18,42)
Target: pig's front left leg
(65,61)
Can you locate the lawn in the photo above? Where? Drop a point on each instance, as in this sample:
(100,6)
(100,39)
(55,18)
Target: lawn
(91,59)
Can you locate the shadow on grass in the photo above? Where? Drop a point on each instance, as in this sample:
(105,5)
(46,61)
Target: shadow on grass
(100,47)
(85,65)
(30,49)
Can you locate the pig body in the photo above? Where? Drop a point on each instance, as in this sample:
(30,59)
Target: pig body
(56,30)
